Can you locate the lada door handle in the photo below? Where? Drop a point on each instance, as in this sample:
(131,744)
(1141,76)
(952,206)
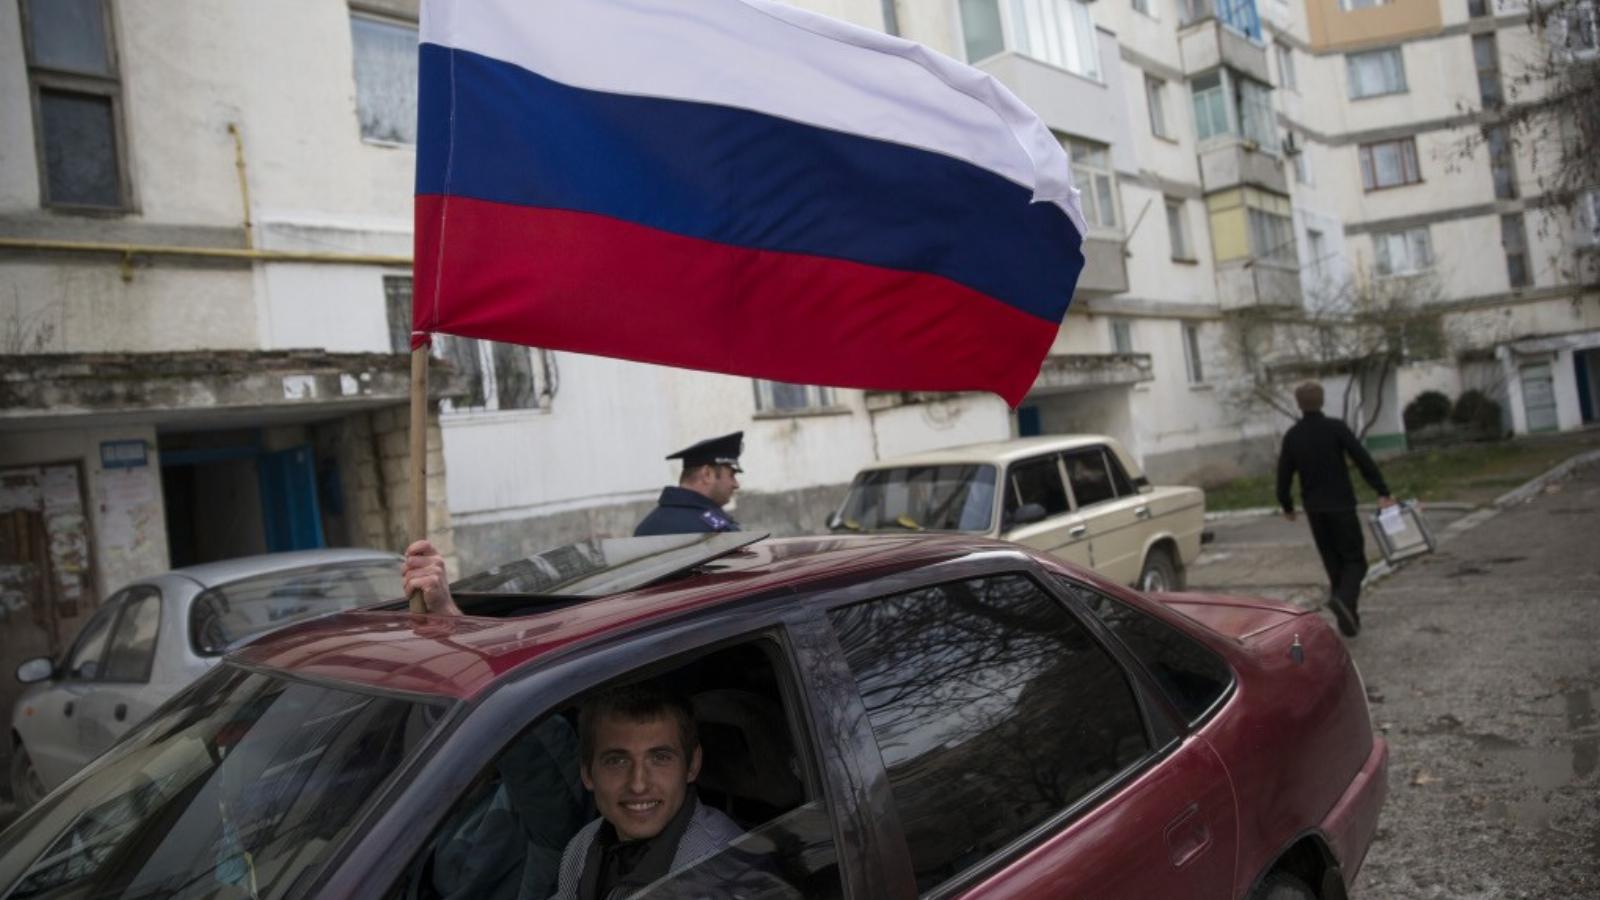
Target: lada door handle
(1078,531)
(67,710)
(1142,512)
(121,712)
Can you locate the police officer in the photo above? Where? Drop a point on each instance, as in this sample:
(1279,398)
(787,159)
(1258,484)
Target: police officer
(710,477)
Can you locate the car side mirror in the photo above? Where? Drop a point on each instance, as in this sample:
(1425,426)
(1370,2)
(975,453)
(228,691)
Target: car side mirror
(40,668)
(1028,513)
(835,520)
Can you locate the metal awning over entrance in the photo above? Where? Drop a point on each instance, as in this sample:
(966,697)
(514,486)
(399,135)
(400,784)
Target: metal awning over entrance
(1091,371)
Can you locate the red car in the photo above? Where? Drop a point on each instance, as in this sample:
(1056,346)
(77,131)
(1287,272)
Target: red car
(886,716)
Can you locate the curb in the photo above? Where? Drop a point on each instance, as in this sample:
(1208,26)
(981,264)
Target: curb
(1522,494)
(1255,511)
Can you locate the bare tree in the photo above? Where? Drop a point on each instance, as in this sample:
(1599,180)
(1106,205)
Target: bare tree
(23,331)
(1545,105)
(1362,328)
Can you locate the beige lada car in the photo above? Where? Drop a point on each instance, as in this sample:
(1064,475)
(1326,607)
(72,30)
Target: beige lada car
(1078,497)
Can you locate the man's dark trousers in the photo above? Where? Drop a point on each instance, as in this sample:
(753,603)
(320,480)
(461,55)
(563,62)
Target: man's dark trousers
(1343,550)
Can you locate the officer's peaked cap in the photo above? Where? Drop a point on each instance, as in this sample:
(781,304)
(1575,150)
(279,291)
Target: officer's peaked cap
(717,451)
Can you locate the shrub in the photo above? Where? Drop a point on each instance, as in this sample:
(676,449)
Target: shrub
(1429,408)
(1476,412)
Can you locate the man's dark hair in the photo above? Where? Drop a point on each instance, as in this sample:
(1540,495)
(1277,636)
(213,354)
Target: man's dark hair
(1309,397)
(642,702)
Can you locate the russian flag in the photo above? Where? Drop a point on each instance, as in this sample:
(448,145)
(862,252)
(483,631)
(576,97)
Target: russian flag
(737,186)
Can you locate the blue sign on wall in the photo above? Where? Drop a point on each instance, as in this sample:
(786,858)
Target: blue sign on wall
(123,454)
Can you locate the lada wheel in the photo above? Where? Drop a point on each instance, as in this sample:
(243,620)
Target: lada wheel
(26,788)
(1160,572)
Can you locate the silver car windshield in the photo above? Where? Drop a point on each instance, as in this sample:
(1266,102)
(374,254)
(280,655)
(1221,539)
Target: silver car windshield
(241,787)
(227,614)
(917,498)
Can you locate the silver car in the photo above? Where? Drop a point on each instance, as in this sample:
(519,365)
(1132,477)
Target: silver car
(155,636)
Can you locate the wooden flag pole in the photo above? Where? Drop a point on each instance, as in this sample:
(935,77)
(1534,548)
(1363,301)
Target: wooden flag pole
(417,525)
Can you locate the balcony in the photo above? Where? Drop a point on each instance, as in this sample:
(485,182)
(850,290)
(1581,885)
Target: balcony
(1258,284)
(1071,372)
(1223,33)
(1238,163)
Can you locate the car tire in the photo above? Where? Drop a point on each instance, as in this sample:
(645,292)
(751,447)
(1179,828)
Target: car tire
(26,786)
(1283,886)
(1160,573)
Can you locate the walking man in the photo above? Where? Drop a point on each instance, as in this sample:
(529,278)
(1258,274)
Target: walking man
(710,478)
(1316,448)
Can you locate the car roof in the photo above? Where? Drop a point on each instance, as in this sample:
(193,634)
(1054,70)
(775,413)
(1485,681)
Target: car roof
(223,571)
(992,451)
(459,657)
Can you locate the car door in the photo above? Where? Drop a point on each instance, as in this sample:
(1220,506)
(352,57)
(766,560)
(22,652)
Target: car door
(1061,532)
(121,696)
(54,722)
(1116,516)
(1023,754)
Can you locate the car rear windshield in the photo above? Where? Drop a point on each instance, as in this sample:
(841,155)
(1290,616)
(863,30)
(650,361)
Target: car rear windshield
(241,787)
(227,614)
(916,498)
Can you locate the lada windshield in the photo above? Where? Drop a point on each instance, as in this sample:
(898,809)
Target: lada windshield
(921,498)
(241,787)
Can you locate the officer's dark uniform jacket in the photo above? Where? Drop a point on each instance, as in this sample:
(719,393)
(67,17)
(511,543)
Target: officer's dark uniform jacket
(682,511)
(1315,448)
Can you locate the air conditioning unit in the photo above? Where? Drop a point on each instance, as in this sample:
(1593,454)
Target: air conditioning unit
(1290,146)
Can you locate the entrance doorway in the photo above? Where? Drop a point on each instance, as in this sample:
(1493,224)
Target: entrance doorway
(1539,397)
(1586,365)
(226,496)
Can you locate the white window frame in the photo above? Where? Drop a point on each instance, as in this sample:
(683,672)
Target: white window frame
(816,398)
(355,79)
(1070,42)
(1582,42)
(1121,331)
(1394,76)
(1193,365)
(1144,7)
(1317,250)
(1178,236)
(1223,89)
(1415,245)
(1286,74)
(1353,5)
(1271,236)
(1096,183)
(1155,94)
(1409,164)
(397,311)
(1589,218)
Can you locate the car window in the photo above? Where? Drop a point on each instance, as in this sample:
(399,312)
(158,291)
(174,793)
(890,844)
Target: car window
(1119,476)
(89,650)
(227,614)
(1091,480)
(133,642)
(506,834)
(1036,481)
(239,788)
(936,498)
(994,709)
(1193,676)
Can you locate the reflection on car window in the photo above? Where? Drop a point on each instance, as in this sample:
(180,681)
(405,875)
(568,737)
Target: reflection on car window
(935,498)
(1119,477)
(1193,676)
(994,710)
(227,614)
(239,789)
(91,644)
(791,857)
(1036,481)
(1091,482)
(133,644)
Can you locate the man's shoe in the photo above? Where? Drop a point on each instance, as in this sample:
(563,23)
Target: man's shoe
(1349,625)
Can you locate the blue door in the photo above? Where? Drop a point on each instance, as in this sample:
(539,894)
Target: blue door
(290,515)
(1028,421)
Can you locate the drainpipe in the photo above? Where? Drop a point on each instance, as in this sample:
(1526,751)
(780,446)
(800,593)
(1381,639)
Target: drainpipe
(244,184)
(129,251)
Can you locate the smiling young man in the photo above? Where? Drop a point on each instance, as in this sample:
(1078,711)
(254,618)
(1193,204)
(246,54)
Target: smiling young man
(640,755)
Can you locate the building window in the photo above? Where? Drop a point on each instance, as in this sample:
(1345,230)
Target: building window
(1271,236)
(1155,91)
(1376,73)
(1404,252)
(1389,164)
(1302,166)
(386,79)
(1477,8)
(1091,172)
(1487,58)
(1575,29)
(1348,5)
(77,94)
(1502,165)
(1286,76)
(1223,98)
(1121,336)
(1317,249)
(1191,354)
(1059,32)
(1143,6)
(778,396)
(1589,218)
(1514,238)
(1210,106)
(1240,15)
(1178,231)
(498,376)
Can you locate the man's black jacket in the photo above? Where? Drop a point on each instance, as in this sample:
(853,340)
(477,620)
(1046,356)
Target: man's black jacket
(682,511)
(1315,448)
